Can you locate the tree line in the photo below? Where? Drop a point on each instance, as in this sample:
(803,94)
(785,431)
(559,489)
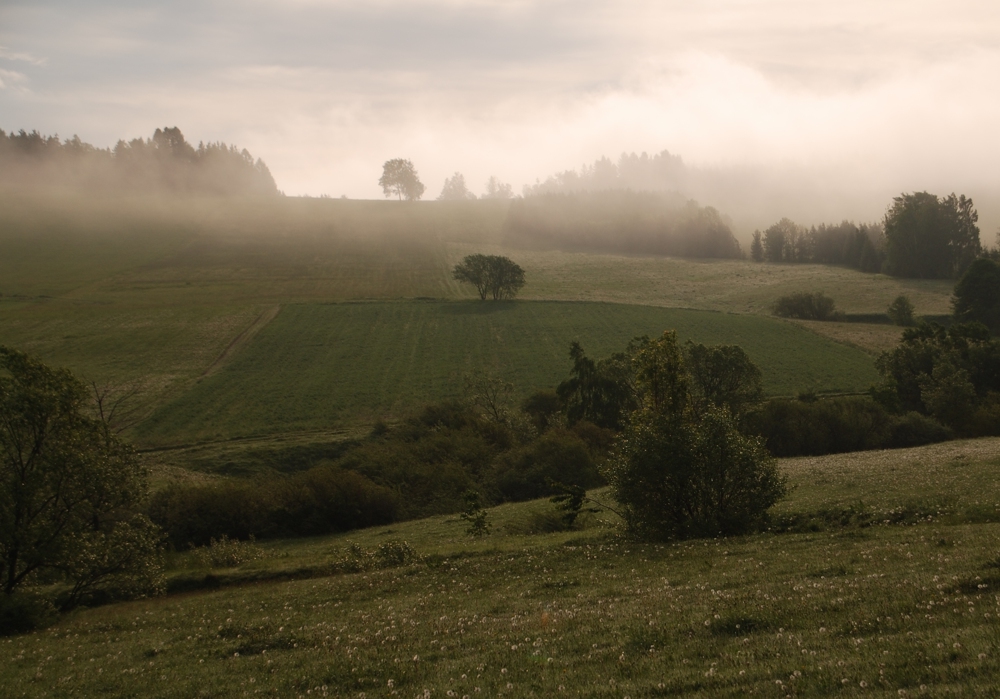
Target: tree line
(620,221)
(164,163)
(922,236)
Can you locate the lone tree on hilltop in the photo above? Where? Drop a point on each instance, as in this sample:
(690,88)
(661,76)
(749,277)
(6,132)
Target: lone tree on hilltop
(399,177)
(70,492)
(493,275)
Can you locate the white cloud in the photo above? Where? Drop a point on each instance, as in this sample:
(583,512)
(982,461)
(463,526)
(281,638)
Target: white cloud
(11,55)
(10,78)
(877,97)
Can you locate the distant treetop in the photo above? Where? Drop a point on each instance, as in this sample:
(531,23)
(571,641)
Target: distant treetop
(165,163)
(399,178)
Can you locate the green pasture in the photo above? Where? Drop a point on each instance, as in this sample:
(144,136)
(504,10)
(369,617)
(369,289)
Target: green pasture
(890,608)
(316,366)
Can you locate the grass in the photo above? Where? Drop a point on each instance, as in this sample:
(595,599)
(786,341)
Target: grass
(315,366)
(905,609)
(159,293)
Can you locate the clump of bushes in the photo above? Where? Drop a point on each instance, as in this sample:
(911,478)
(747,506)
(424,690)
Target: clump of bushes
(806,306)
(319,501)
(527,472)
(812,427)
(389,554)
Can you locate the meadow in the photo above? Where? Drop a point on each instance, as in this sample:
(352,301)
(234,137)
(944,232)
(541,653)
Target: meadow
(269,336)
(316,367)
(901,602)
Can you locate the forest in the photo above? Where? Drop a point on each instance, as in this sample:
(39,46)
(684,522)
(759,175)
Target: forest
(163,164)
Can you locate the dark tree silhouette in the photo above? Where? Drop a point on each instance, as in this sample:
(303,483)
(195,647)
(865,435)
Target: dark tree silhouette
(977,294)
(928,237)
(493,275)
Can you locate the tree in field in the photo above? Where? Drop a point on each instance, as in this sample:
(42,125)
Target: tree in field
(928,237)
(757,248)
(399,177)
(455,189)
(678,472)
(977,294)
(495,189)
(70,492)
(901,311)
(493,275)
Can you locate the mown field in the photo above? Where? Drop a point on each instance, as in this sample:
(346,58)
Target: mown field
(315,367)
(898,596)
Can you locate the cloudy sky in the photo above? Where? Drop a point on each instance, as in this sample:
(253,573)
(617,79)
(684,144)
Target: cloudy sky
(860,99)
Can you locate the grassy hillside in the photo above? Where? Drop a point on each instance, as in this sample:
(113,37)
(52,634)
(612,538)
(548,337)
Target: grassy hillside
(902,602)
(164,293)
(318,366)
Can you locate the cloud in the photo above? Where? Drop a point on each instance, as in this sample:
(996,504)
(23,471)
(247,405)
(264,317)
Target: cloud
(20,56)
(10,78)
(853,95)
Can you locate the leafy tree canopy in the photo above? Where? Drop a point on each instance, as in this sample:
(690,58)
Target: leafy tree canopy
(70,492)
(952,375)
(495,276)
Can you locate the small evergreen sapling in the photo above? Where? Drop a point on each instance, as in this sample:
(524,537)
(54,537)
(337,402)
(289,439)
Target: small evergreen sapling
(475,515)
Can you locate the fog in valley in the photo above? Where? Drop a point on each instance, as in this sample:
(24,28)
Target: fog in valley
(761,110)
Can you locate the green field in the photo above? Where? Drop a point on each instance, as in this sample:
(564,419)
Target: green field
(315,367)
(903,605)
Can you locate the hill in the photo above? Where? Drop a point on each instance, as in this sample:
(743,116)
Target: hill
(320,366)
(889,597)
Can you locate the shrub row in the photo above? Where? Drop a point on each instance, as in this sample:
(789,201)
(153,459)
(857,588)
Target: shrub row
(319,501)
(812,427)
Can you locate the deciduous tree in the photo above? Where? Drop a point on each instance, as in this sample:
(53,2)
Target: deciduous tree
(493,275)
(399,177)
(70,491)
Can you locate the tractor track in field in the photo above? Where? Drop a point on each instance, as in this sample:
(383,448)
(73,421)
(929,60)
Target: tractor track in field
(258,324)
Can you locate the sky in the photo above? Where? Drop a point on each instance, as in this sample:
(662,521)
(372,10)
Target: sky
(829,108)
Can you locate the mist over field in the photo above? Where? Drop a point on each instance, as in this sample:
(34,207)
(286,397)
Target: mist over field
(816,113)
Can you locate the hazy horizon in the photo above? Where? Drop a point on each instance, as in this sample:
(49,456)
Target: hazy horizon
(817,113)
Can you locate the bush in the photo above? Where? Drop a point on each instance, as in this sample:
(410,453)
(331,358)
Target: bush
(527,472)
(389,554)
(915,430)
(23,611)
(680,479)
(322,500)
(678,472)
(836,425)
(807,306)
